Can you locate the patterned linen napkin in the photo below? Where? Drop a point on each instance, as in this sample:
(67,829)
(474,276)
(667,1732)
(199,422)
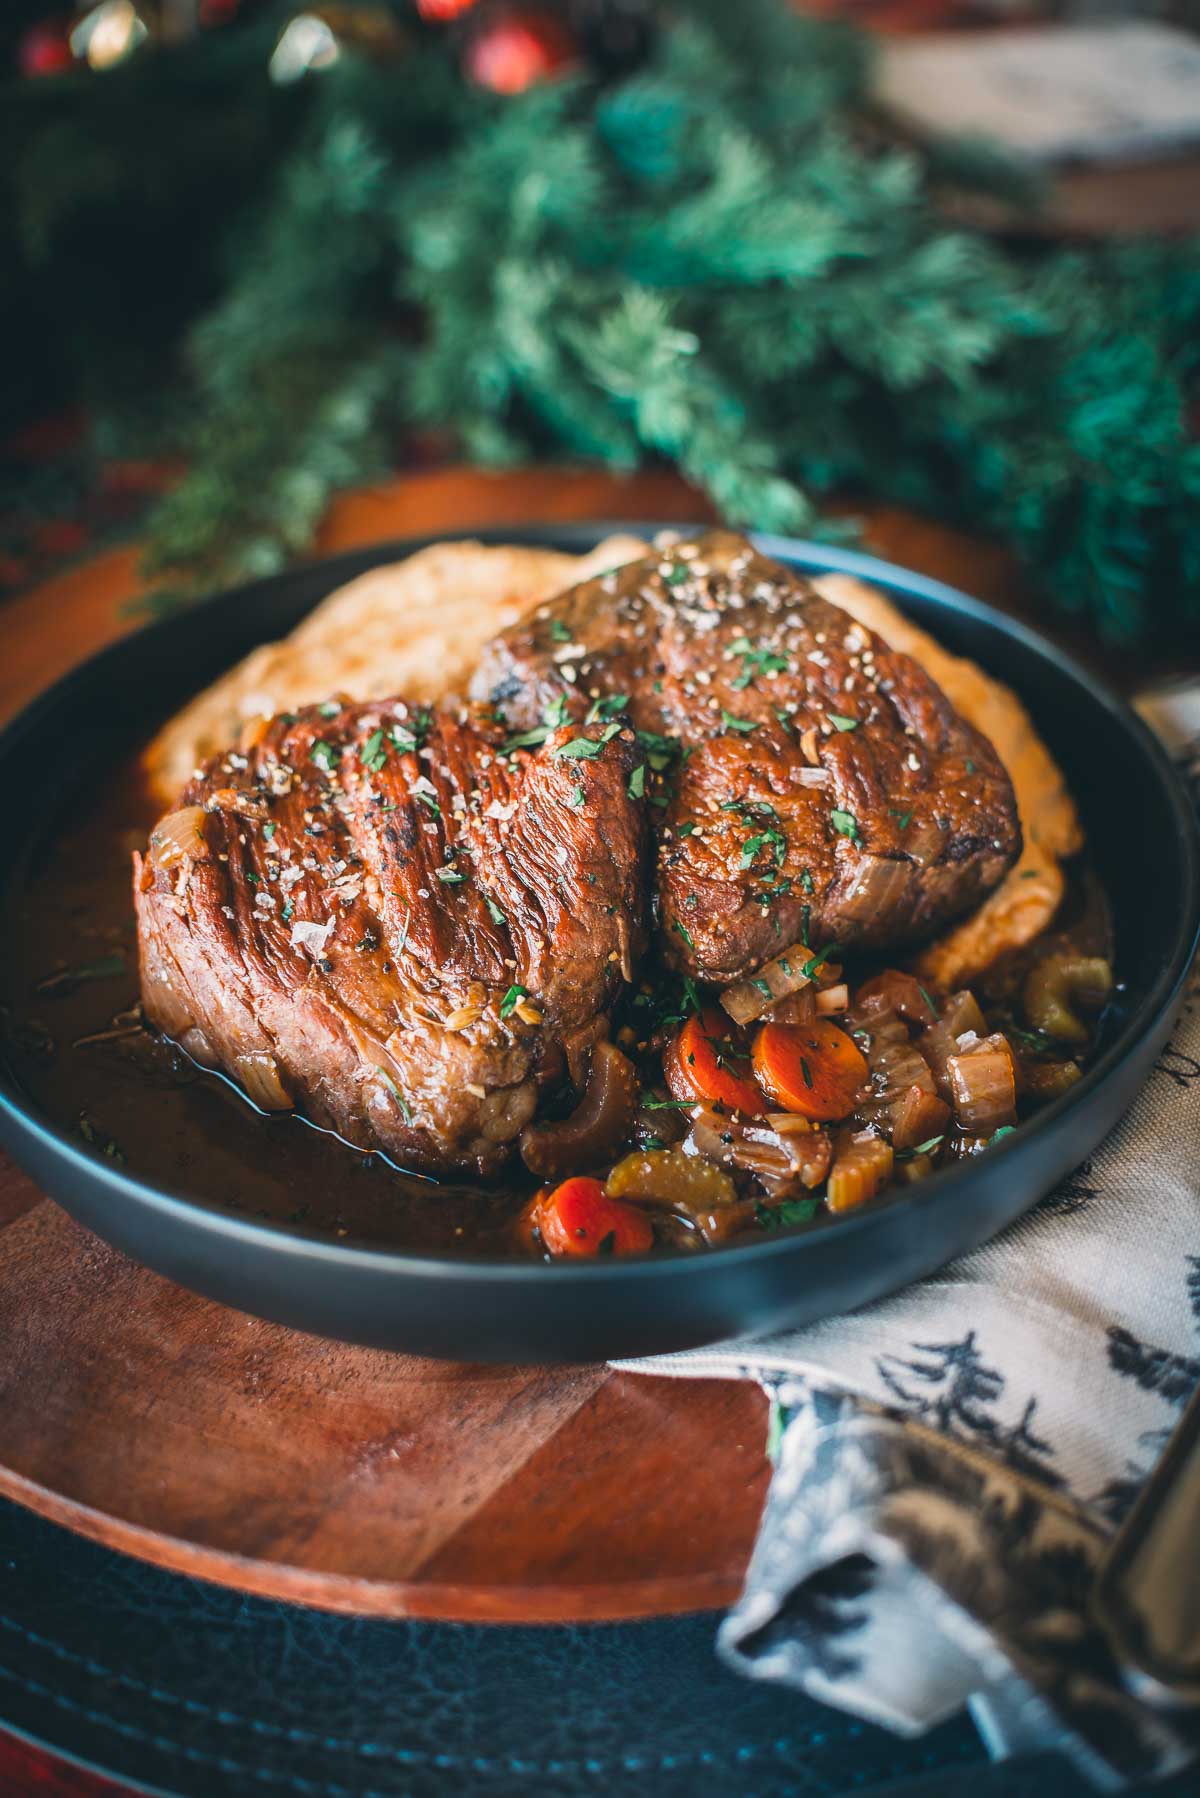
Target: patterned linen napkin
(951,1463)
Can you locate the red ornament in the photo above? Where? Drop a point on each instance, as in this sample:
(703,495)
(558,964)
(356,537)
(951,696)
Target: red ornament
(45,49)
(516,49)
(440,12)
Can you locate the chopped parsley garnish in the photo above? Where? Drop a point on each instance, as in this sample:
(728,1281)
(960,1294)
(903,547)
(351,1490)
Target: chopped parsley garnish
(583,748)
(971,770)
(742,724)
(269,829)
(604,709)
(648,1103)
(325,755)
(841,723)
(396,1093)
(784,719)
(512,999)
(930,1143)
(924,992)
(817,961)
(554,715)
(578,797)
(108,1144)
(903,819)
(1004,1130)
(806,881)
(526,739)
(774,839)
(494,912)
(846,824)
(373,753)
(68,978)
(329,708)
(762,987)
(751,808)
(637,782)
(676,574)
(685,933)
(754,662)
(1040,1041)
(792,1211)
(807,1073)
(451,876)
(407,740)
(429,802)
(559,632)
(288,911)
(660,751)
(685,830)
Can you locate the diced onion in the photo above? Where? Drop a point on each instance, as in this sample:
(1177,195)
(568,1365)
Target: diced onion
(784,974)
(983,1085)
(178,836)
(259,1074)
(878,884)
(784,1151)
(917,1117)
(924,842)
(960,1013)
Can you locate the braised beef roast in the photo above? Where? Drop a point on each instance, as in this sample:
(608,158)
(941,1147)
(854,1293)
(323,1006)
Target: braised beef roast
(397,921)
(815,784)
(414,923)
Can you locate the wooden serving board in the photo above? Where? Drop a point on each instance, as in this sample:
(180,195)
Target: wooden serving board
(209,1442)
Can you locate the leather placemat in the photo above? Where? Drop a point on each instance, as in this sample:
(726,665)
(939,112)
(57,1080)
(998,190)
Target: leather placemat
(200,1692)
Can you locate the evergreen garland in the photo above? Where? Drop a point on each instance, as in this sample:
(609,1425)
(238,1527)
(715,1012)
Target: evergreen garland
(711,260)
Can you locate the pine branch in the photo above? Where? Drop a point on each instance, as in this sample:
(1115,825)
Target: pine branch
(710,261)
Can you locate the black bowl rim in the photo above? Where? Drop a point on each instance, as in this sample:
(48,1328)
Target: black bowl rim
(812,557)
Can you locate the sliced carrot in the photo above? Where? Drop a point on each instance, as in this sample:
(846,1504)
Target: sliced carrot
(815,1069)
(704,1063)
(579,1218)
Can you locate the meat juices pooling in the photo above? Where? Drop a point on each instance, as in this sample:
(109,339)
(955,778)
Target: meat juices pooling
(827,789)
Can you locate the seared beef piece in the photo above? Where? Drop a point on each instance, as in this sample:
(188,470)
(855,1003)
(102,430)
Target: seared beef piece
(382,917)
(828,790)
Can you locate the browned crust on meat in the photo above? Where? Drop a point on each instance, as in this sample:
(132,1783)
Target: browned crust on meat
(360,910)
(895,814)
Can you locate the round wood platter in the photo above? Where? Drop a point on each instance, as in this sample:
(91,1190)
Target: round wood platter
(209,1442)
(212,1443)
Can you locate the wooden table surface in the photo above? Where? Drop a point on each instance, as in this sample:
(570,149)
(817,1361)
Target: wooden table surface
(165,1425)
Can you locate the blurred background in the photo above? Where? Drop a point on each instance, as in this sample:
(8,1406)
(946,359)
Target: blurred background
(938,253)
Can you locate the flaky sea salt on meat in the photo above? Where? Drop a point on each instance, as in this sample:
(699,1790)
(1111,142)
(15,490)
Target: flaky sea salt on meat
(312,937)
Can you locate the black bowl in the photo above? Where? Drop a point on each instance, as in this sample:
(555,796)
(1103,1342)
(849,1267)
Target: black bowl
(1144,844)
